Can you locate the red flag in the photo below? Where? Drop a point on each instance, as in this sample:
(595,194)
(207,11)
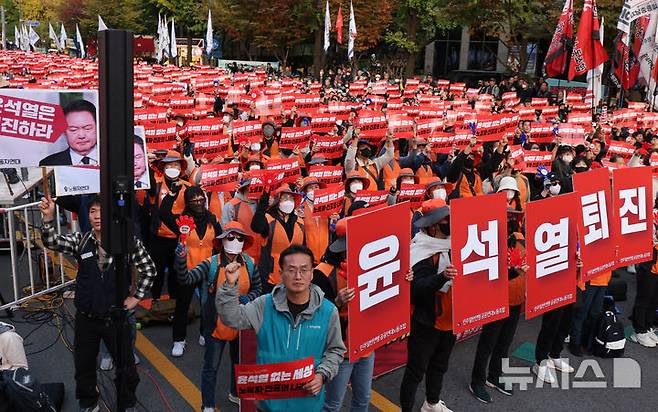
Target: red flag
(555,63)
(627,71)
(588,52)
(339,25)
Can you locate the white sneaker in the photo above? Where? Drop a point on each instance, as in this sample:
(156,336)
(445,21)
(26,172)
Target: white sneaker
(437,407)
(631,269)
(233,398)
(644,339)
(106,363)
(208,409)
(652,335)
(202,340)
(560,365)
(544,373)
(178,349)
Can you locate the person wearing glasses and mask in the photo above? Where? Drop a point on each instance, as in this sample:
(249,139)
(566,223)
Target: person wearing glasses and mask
(210,274)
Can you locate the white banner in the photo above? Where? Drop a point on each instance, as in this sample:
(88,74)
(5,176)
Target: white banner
(634,9)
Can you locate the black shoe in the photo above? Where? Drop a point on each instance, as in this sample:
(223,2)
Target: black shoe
(586,351)
(576,350)
(500,386)
(94,408)
(480,393)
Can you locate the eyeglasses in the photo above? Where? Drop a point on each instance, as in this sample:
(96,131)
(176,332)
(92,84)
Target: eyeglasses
(199,200)
(304,270)
(231,238)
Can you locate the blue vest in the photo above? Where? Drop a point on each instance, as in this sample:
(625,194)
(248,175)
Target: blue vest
(279,340)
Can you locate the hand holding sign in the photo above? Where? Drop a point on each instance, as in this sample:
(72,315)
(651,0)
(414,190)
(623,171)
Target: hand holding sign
(185,226)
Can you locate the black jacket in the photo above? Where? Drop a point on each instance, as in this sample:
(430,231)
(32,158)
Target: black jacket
(424,288)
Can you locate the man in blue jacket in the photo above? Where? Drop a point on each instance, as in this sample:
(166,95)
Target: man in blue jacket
(293,322)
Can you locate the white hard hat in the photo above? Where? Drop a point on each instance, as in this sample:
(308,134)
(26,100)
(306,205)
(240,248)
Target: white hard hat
(508,183)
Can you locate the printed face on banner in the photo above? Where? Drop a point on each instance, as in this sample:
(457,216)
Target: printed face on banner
(48,127)
(140,171)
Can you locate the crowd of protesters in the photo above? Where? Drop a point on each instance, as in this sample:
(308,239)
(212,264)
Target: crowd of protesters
(269,264)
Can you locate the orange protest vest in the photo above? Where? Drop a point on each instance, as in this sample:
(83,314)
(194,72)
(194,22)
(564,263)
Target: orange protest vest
(444,320)
(216,203)
(277,242)
(654,267)
(523,184)
(316,229)
(465,189)
(390,174)
(516,286)
(199,249)
(178,207)
(371,173)
(424,173)
(242,213)
(223,332)
(600,280)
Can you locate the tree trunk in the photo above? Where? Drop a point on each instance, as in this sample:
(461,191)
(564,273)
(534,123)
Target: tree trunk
(189,48)
(412,31)
(318,40)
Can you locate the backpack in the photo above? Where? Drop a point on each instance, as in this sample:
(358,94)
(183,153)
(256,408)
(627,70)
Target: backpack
(610,339)
(24,392)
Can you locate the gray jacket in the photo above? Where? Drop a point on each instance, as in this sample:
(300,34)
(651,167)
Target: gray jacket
(250,316)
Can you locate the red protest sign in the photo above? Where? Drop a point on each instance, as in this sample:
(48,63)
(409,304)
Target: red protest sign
(307,101)
(210,146)
(372,198)
(535,158)
(377,261)
(161,136)
(204,126)
(274,380)
(542,133)
(329,200)
(329,147)
(292,137)
(290,167)
(327,174)
(596,239)
(260,179)
(414,194)
(622,149)
(401,125)
(219,178)
(30,119)
(371,121)
(150,115)
(653,162)
(323,123)
(516,155)
(550,253)
(425,128)
(491,128)
(479,250)
(247,131)
(632,214)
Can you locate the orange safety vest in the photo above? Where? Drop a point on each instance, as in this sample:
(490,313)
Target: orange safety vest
(199,249)
(216,203)
(316,230)
(391,174)
(242,213)
(465,189)
(523,184)
(599,280)
(516,286)
(277,242)
(444,320)
(424,173)
(371,173)
(177,209)
(654,267)
(222,331)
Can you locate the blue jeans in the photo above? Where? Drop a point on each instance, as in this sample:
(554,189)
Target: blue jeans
(211,361)
(586,313)
(360,374)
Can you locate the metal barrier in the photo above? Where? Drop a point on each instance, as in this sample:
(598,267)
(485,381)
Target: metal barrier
(26,231)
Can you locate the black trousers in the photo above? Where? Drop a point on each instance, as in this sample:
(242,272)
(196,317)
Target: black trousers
(162,251)
(429,352)
(555,326)
(493,346)
(184,296)
(646,299)
(88,335)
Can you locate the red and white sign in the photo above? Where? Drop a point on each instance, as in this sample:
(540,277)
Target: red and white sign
(632,214)
(414,194)
(596,238)
(535,158)
(551,253)
(328,201)
(274,380)
(329,147)
(219,178)
(479,253)
(290,167)
(295,137)
(378,260)
(372,198)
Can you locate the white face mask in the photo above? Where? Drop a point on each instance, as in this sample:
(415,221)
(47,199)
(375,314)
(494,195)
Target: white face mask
(555,189)
(172,172)
(254,167)
(227,119)
(356,186)
(232,246)
(310,195)
(255,147)
(510,194)
(567,158)
(286,206)
(439,193)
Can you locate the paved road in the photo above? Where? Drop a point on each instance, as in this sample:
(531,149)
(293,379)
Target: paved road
(169,384)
